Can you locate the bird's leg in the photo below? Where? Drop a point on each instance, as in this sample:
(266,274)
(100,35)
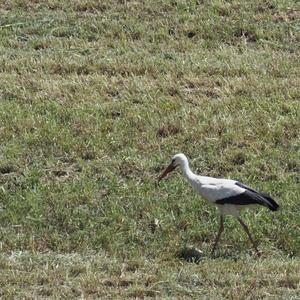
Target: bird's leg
(221,229)
(249,235)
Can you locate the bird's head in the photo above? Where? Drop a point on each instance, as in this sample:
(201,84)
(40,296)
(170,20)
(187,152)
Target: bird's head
(177,160)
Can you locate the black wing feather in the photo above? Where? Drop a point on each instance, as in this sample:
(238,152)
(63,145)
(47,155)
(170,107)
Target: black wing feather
(269,201)
(250,196)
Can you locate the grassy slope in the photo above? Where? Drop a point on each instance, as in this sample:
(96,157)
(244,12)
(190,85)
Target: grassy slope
(96,98)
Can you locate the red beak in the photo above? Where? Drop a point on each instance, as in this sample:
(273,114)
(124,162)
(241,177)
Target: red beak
(169,169)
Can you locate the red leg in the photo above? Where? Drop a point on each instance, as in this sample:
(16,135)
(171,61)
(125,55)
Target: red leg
(249,235)
(221,229)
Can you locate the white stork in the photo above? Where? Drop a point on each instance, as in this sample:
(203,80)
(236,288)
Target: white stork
(230,196)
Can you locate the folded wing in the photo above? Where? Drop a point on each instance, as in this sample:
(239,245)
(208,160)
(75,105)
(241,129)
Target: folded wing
(249,196)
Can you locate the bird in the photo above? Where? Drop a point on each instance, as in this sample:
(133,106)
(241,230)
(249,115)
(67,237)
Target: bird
(230,196)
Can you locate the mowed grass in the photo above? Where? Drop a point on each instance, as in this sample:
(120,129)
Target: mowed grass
(96,98)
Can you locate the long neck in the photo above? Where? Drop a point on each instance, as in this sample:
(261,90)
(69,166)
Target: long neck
(190,176)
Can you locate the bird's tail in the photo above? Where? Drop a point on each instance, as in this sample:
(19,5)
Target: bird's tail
(270,202)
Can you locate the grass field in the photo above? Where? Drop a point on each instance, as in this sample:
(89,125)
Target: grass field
(96,98)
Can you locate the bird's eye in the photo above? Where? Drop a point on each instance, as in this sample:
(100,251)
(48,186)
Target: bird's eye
(173,161)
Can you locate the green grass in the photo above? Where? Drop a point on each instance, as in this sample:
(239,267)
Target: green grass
(96,97)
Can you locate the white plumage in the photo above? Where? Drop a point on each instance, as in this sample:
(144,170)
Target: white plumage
(230,196)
